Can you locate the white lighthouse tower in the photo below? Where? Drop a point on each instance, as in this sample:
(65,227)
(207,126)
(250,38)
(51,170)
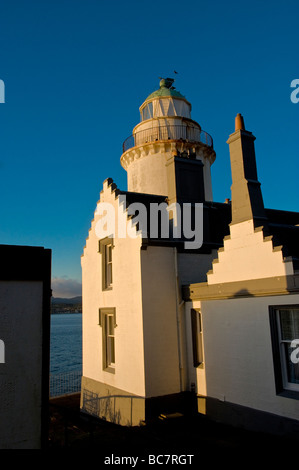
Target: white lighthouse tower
(166,130)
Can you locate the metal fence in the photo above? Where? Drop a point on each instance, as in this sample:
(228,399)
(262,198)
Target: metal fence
(65,383)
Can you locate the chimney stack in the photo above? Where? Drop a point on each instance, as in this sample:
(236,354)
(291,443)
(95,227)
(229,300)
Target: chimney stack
(247,201)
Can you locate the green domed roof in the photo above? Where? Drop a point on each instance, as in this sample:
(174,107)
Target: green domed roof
(166,89)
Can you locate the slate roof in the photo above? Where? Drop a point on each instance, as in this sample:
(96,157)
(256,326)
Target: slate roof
(216,219)
(283,225)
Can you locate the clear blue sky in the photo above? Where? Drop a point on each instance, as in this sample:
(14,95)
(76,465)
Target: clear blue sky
(75,74)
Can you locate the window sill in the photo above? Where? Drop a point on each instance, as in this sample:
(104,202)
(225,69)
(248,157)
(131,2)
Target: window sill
(111,370)
(289,394)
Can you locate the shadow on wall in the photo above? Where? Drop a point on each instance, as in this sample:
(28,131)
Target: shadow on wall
(126,410)
(242,293)
(250,419)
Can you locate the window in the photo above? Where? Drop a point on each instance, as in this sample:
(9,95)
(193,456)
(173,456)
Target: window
(108,265)
(107,322)
(147,112)
(284,322)
(197,342)
(106,247)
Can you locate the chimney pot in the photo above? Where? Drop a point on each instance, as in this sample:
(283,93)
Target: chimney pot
(239,122)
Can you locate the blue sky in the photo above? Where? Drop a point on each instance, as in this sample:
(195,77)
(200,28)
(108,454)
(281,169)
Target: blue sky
(75,74)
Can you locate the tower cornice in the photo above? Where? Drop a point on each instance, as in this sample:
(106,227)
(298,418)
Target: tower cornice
(168,147)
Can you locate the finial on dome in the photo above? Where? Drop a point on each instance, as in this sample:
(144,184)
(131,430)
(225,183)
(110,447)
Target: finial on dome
(166,82)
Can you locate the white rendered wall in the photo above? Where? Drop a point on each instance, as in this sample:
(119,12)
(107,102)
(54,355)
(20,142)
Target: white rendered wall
(147,174)
(146,167)
(21,374)
(238,362)
(125,296)
(160,328)
(165,344)
(247,255)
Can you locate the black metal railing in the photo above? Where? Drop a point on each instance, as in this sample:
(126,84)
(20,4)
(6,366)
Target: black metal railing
(170,132)
(65,383)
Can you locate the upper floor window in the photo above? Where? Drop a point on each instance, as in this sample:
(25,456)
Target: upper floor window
(106,248)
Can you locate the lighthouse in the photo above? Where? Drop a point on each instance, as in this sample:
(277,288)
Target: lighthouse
(166,131)
(135,359)
(156,311)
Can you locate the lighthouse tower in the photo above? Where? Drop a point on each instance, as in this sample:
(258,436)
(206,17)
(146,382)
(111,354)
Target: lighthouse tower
(167,133)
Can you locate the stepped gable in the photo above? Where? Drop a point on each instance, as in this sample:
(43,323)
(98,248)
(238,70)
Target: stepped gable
(216,219)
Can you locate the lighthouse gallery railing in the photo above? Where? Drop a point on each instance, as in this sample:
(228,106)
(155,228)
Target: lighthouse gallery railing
(169,132)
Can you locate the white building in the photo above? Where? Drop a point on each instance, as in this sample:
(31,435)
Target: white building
(166,319)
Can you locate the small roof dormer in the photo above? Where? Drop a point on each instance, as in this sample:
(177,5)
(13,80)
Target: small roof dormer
(165,102)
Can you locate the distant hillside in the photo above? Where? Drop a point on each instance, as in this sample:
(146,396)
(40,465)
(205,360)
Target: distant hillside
(63,305)
(71,301)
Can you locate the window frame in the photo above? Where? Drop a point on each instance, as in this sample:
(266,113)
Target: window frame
(197,337)
(283,386)
(104,315)
(103,245)
(147,112)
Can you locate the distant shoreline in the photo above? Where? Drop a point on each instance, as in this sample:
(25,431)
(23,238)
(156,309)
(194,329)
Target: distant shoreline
(61,305)
(64,312)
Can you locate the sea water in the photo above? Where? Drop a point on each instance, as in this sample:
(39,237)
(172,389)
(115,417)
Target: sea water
(65,353)
(66,343)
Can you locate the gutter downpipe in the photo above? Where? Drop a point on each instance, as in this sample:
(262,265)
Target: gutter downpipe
(178,308)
